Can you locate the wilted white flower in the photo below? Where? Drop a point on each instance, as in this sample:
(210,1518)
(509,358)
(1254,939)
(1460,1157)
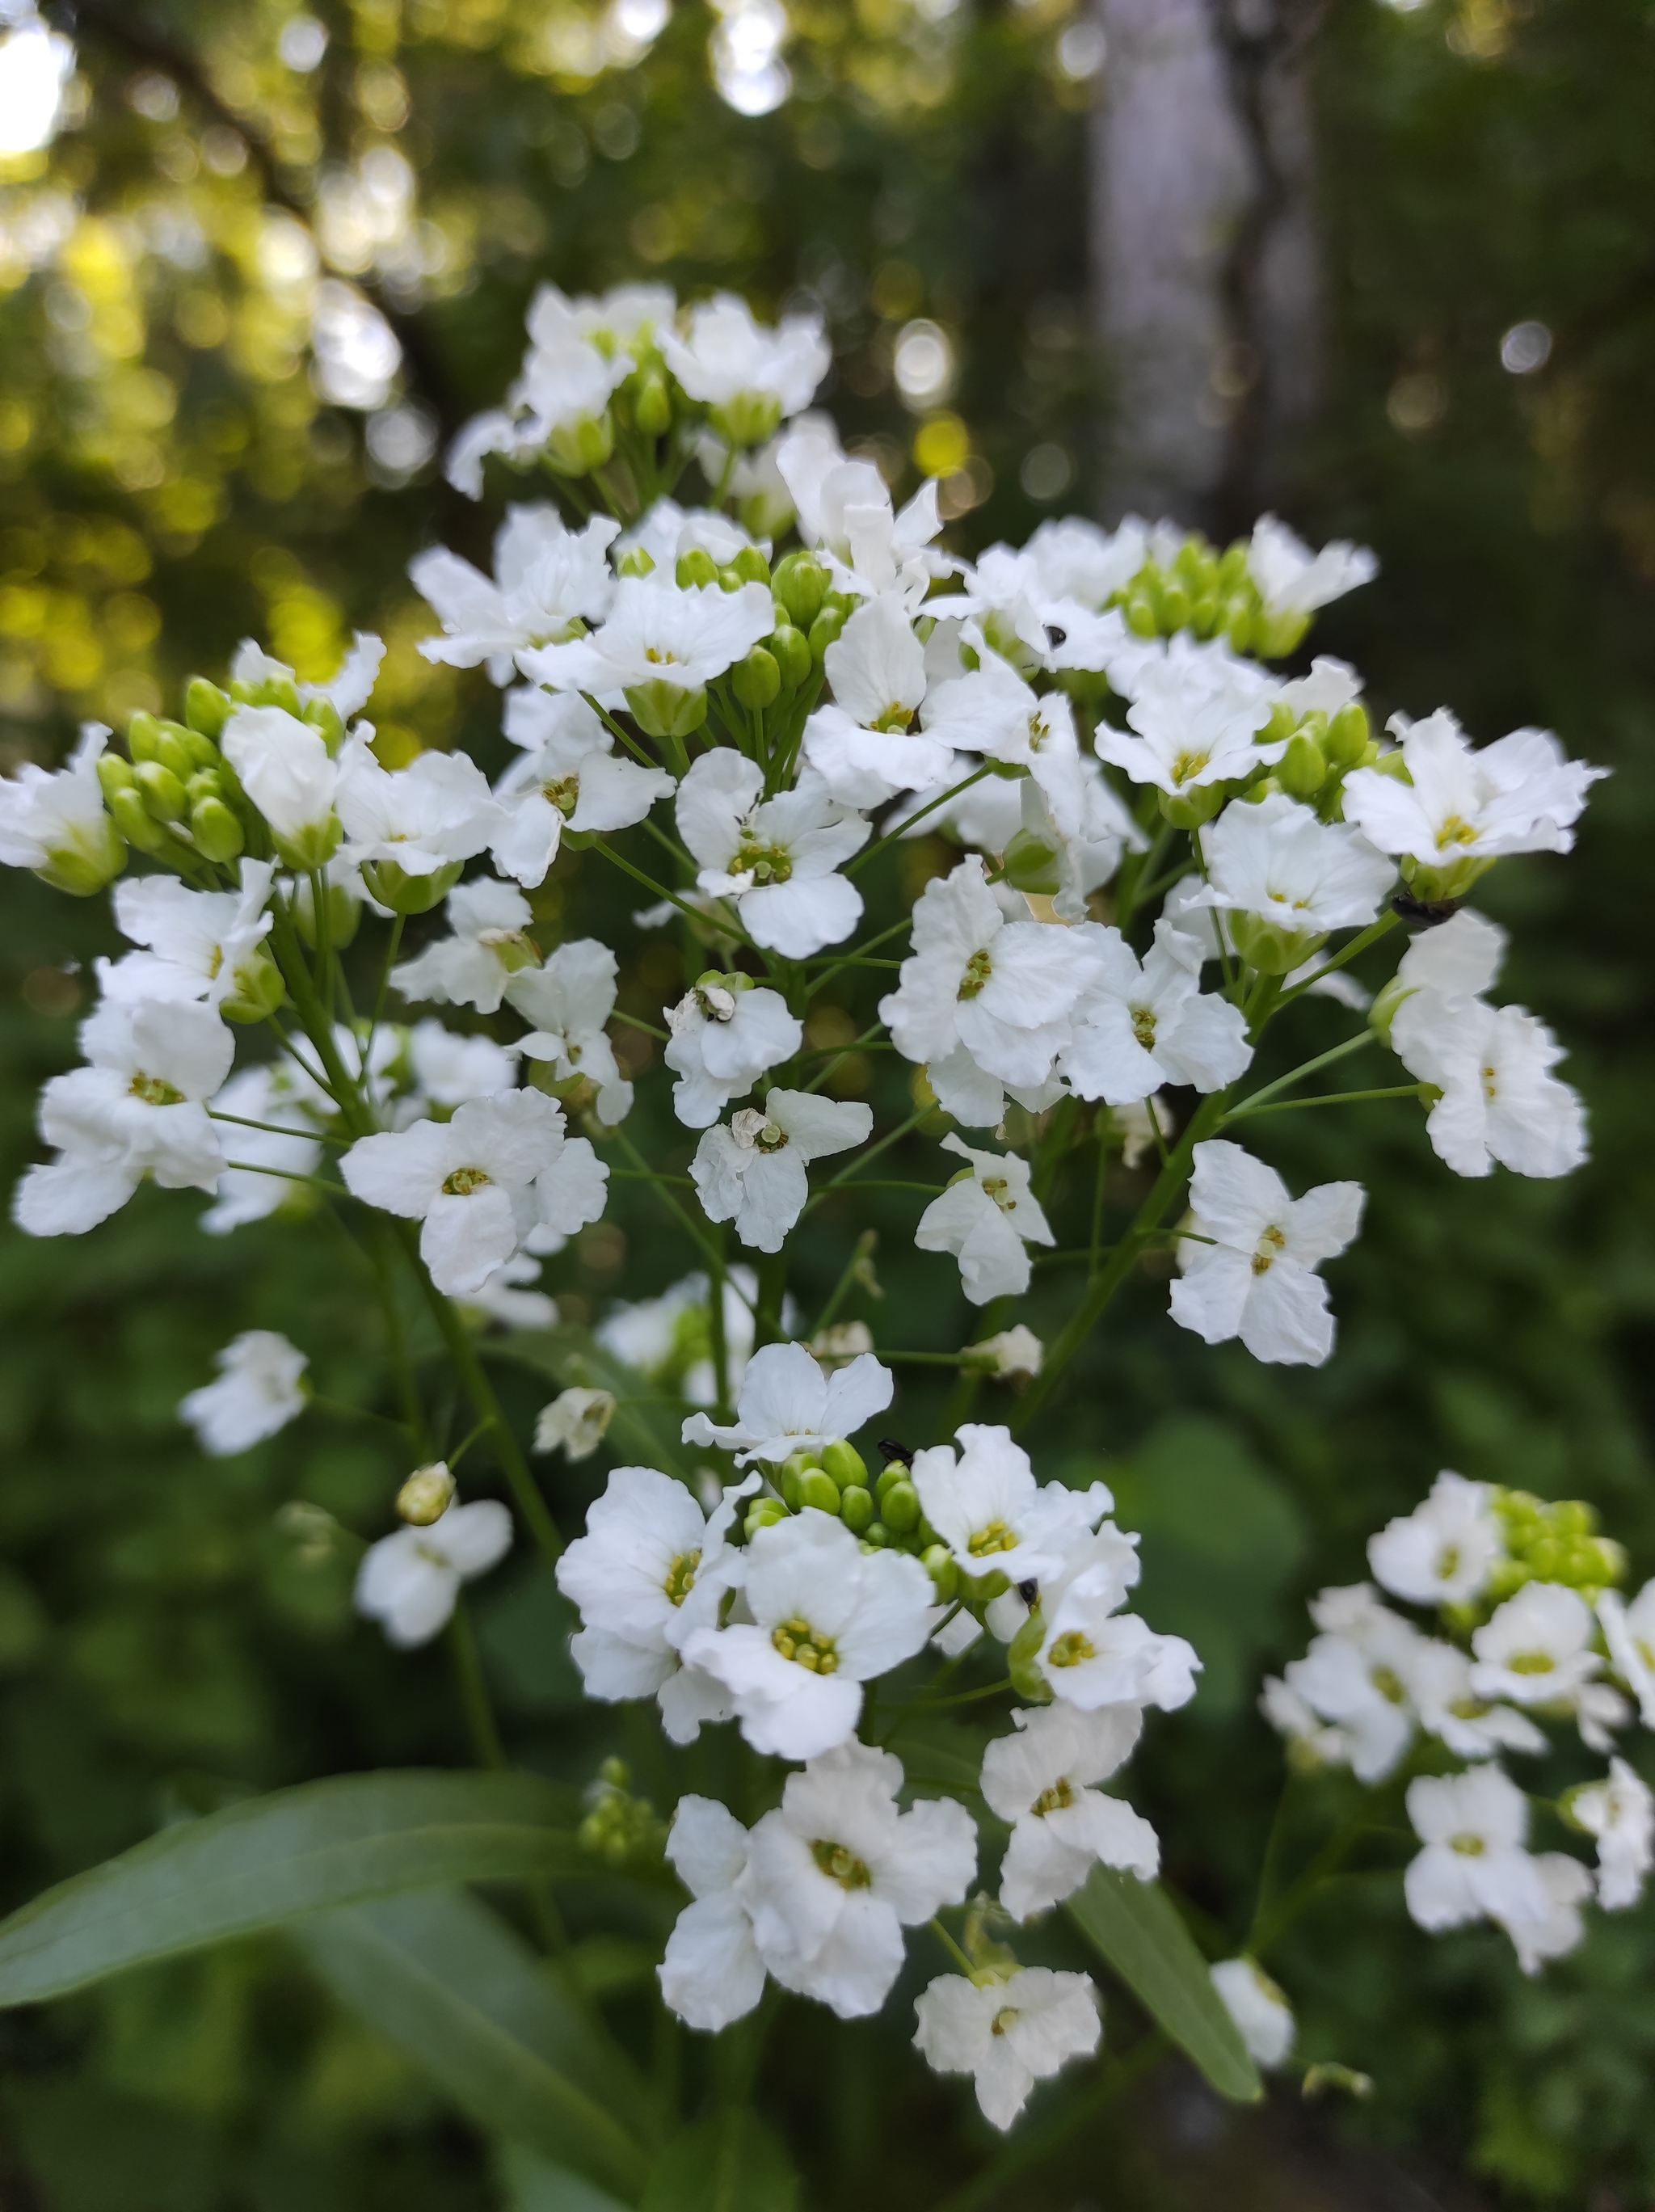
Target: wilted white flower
(1256,1278)
(776,859)
(575,1423)
(1263,2016)
(1015,1355)
(987,1219)
(753,1171)
(1009,2033)
(488,943)
(258,1392)
(788,1404)
(409,1580)
(1620,1812)
(1040,1780)
(726,1033)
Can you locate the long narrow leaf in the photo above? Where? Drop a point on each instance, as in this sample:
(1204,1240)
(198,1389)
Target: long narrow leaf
(731,2163)
(1136,1927)
(264,1861)
(531,2184)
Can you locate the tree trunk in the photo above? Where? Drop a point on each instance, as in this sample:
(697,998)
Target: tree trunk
(1204,252)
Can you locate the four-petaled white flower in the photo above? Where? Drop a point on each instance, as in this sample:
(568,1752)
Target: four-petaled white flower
(410,1580)
(258,1392)
(421,819)
(788,1404)
(992,1515)
(1536,1648)
(55,820)
(658,637)
(1254,1277)
(1283,879)
(651,1568)
(750,377)
(1292,579)
(711,1973)
(1141,1024)
(569,1000)
(1194,717)
(1010,2033)
(1040,1780)
(1566,1886)
(1519,795)
(1439,1554)
(1263,2016)
(835,1873)
(1091,1654)
(844,507)
(1620,1812)
(753,1171)
(1474,1827)
(986,1218)
(827,1618)
(569,776)
(725,1035)
(1357,1678)
(489,942)
(1629,1633)
(864,744)
(547,582)
(776,859)
(199,944)
(287,770)
(991,711)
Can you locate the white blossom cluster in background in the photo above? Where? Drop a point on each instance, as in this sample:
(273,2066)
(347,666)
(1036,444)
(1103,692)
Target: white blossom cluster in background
(1157,846)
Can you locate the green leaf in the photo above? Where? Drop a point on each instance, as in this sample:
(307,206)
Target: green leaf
(532,2184)
(447,1981)
(731,2163)
(269,1859)
(1137,1927)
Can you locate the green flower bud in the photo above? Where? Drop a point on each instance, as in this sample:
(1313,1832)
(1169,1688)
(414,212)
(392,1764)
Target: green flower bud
(895,1473)
(748,419)
(426,1495)
(1275,636)
(114,774)
(875,1537)
(258,990)
(1302,770)
(269,691)
(1282,722)
(1027,1678)
(1029,863)
(1190,809)
(900,1507)
(763,1513)
(790,649)
(756,681)
(846,1464)
(322,714)
(823,632)
(819,1489)
(1452,882)
(406,894)
(636,561)
(1204,612)
(133,819)
(1347,736)
(206,709)
(578,446)
(93,861)
(344,912)
(651,405)
(749,567)
(1269,947)
(1174,607)
(695,566)
(983,1589)
(315,846)
(855,1508)
(1232,565)
(1142,616)
(800,582)
(162,790)
(939,1564)
(664,710)
(1239,625)
(216,832)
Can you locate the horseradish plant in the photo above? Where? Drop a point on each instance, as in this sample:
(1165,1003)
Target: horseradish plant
(1154,847)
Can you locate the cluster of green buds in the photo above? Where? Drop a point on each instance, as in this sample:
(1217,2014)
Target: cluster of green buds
(175,796)
(883,1512)
(621,1829)
(1322,750)
(1546,1541)
(1211,594)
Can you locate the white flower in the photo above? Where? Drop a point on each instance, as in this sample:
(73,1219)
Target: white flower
(547,582)
(749,377)
(864,744)
(260,1094)
(1536,1648)
(1357,1677)
(1194,715)
(258,1391)
(1075,560)
(347,691)
(1517,795)
(993,712)
(55,821)
(1009,2034)
(504,1299)
(1013,1354)
(843,507)
(421,818)
(1004,991)
(1010,593)
(666,532)
(655,1335)
(1141,1025)
(652,1568)
(788,1404)
(286,769)
(1263,2016)
(1620,1812)
(827,1616)
(569,1000)
(776,857)
(992,1515)
(625,316)
(447,1069)
(1473,1865)
(1438,1678)
(575,1423)
(410,1580)
(1284,880)
(659,634)
(1559,1929)
(1439,1554)
(471,1182)
(834,1874)
(488,944)
(725,1035)
(753,1171)
(1038,1779)
(1292,1715)
(1093,1655)
(711,1973)
(1256,1279)
(569,775)
(1292,579)
(987,1219)
(201,944)
(1629,1632)
(134,1110)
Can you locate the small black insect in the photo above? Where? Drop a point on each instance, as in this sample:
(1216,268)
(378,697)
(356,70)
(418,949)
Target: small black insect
(1028,1592)
(893,1450)
(1429,911)
(1055,637)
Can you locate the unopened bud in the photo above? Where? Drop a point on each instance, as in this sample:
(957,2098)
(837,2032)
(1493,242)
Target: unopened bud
(666,710)
(162,790)
(636,561)
(844,1463)
(323,715)
(1015,1354)
(940,1565)
(1348,735)
(696,567)
(652,406)
(855,1508)
(800,583)
(824,632)
(1026,1676)
(344,912)
(206,708)
(404,893)
(576,447)
(900,1507)
(790,649)
(216,832)
(818,1488)
(756,681)
(1302,769)
(259,990)
(426,1495)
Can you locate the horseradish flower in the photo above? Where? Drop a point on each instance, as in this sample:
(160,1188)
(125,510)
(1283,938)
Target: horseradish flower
(753,1171)
(652,1568)
(1560,1929)
(749,377)
(1013,1355)
(567,383)
(347,691)
(1038,1779)
(447,1069)
(260,1093)
(1075,560)
(466,1180)
(258,1392)
(1473,1866)
(775,858)
(1263,2016)
(410,1580)
(489,941)
(660,649)
(1004,991)
(986,1218)
(1255,1278)
(1620,1812)
(1439,1554)
(1093,1655)
(1536,1648)
(835,1874)
(669,1339)
(992,712)
(827,1618)
(505,1298)
(1194,716)
(844,507)
(569,1000)
(1010,2034)
(992,1515)
(1356,1677)
(1499,1100)
(412,826)
(1462,808)
(549,581)
(788,1404)
(569,776)
(726,1033)
(864,744)
(200,944)
(1311,1741)
(135,1110)
(1437,1677)
(1283,880)
(1140,1025)
(56,823)
(1291,580)
(1629,1632)
(711,1973)
(285,768)
(575,1423)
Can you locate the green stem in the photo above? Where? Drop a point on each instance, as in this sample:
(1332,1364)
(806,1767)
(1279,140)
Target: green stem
(486,1746)
(906,824)
(646,1173)
(1327,1098)
(952,1948)
(1255,1099)
(391,951)
(732,929)
(848,1175)
(1358,943)
(274,1128)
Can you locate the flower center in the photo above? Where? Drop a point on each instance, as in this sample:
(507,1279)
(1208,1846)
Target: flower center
(154,1092)
(1490,1087)
(1272,1245)
(1189,765)
(996,1187)
(1039,731)
(1531,1663)
(1447,1561)
(1388,1683)
(1070,1649)
(564,792)
(766,864)
(841,1865)
(755,1132)
(1469,1847)
(979,968)
(997,1537)
(896,720)
(464,1181)
(1002,2019)
(680,1577)
(1053,1800)
(805,1646)
(658,657)
(1455,830)
(1143,1026)
(1281,898)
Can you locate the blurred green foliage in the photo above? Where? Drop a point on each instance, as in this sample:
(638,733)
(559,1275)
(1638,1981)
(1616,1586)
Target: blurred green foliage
(174,1631)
